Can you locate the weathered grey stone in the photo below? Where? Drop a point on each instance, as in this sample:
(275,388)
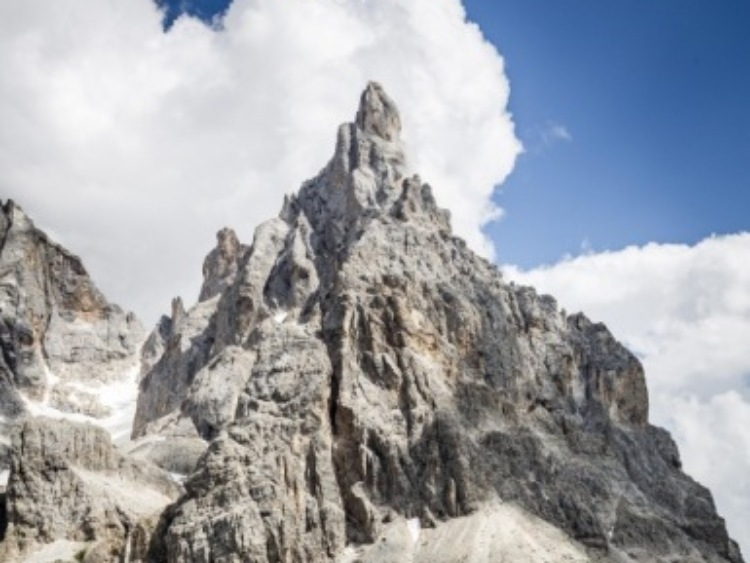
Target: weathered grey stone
(364,369)
(221,265)
(68,482)
(180,345)
(187,344)
(56,328)
(172,452)
(155,343)
(276,466)
(377,114)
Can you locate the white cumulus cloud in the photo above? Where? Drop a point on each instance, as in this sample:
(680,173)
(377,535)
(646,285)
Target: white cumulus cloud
(133,147)
(685,310)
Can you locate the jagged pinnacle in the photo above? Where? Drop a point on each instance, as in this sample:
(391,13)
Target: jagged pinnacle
(378,114)
(222,264)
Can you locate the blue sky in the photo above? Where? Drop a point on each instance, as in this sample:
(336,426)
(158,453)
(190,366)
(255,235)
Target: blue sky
(207,10)
(656,99)
(635,118)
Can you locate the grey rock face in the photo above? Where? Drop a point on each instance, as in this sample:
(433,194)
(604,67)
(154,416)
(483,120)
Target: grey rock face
(68,482)
(186,340)
(56,328)
(377,114)
(276,466)
(182,343)
(221,265)
(364,368)
(178,454)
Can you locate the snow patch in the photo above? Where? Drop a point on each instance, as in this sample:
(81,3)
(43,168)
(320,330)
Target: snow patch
(349,555)
(178,478)
(61,550)
(50,381)
(415,527)
(119,397)
(4,478)
(280,317)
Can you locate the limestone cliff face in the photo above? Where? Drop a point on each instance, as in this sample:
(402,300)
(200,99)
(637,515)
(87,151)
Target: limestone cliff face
(358,373)
(57,331)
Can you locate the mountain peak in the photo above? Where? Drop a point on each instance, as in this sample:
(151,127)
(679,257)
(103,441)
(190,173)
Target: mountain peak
(378,114)
(357,372)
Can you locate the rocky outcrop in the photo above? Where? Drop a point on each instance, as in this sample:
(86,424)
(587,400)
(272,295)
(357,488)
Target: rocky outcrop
(363,370)
(69,483)
(221,265)
(185,340)
(182,343)
(172,355)
(377,115)
(60,338)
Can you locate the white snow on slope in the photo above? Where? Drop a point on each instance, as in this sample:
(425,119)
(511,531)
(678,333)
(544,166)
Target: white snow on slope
(119,396)
(61,550)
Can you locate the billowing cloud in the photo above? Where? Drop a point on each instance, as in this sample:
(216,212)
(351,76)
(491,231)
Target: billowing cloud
(133,147)
(685,310)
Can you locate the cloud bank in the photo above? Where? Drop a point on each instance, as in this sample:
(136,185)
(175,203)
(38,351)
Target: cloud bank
(685,311)
(133,147)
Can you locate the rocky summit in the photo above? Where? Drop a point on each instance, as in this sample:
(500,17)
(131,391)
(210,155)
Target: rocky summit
(358,386)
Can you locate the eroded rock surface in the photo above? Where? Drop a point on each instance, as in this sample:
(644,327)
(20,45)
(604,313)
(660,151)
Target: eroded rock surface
(363,367)
(221,265)
(68,482)
(61,340)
